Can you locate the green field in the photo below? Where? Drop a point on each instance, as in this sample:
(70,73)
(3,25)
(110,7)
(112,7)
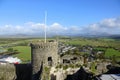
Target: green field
(83,42)
(110,52)
(24,50)
(94,42)
(24,53)
(99,44)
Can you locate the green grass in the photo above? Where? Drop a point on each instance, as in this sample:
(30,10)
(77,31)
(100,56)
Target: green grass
(24,53)
(107,39)
(110,52)
(83,42)
(93,64)
(94,42)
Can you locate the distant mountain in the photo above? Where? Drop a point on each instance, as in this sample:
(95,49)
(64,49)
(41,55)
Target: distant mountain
(92,35)
(16,36)
(67,35)
(114,36)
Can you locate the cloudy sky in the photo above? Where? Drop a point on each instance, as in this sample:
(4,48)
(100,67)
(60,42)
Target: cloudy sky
(64,17)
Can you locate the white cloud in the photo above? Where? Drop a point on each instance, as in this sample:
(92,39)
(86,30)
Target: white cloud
(113,22)
(56,27)
(109,26)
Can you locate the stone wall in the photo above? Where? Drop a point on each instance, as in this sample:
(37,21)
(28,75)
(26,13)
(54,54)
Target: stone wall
(7,72)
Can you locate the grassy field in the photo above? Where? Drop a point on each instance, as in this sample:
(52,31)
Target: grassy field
(24,53)
(110,52)
(94,42)
(83,42)
(110,43)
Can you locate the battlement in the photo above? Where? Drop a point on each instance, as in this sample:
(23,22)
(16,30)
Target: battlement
(43,45)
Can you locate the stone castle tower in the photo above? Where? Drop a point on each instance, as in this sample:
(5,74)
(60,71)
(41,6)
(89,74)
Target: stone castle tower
(46,53)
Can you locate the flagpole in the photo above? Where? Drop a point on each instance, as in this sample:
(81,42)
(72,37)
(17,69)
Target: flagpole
(45,24)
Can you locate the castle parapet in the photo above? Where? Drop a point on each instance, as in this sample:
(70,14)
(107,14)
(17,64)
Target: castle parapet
(43,45)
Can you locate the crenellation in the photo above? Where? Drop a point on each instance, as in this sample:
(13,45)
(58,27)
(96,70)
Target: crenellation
(44,45)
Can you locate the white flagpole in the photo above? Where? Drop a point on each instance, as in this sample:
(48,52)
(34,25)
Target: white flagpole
(45,24)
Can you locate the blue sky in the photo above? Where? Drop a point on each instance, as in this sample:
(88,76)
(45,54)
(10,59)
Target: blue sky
(64,16)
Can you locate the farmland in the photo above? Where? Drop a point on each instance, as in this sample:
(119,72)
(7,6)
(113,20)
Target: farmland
(95,42)
(24,53)
(111,46)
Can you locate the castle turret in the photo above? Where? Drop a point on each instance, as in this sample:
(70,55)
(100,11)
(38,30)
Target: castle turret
(46,53)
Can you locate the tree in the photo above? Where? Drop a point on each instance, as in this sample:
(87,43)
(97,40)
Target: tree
(10,50)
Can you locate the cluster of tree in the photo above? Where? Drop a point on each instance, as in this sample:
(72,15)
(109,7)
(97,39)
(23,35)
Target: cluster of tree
(23,44)
(12,51)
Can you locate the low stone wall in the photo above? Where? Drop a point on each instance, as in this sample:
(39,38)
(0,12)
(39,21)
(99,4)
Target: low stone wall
(7,72)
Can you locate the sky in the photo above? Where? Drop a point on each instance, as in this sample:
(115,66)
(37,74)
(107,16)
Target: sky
(64,17)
